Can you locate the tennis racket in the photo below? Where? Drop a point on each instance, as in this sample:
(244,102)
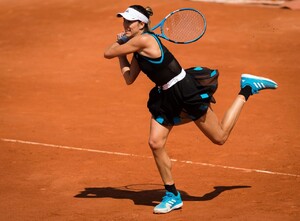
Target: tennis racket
(182,26)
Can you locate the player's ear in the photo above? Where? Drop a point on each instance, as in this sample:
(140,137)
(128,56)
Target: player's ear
(141,25)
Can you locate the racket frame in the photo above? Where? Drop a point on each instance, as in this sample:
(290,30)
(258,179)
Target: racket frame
(161,24)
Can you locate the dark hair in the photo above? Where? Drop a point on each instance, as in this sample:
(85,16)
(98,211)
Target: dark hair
(145,11)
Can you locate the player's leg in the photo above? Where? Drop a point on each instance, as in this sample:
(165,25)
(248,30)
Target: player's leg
(218,132)
(157,140)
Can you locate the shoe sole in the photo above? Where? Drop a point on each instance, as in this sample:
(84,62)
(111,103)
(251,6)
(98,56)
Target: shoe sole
(167,211)
(249,76)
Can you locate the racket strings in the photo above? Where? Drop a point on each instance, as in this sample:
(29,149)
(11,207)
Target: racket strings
(184,26)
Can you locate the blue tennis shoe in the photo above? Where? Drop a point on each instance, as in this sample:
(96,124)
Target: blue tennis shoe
(257,83)
(169,203)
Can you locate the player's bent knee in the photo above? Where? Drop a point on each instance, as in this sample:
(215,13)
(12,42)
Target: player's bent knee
(219,140)
(155,144)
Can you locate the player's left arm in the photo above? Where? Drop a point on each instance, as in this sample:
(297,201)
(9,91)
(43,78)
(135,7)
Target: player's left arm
(133,45)
(130,71)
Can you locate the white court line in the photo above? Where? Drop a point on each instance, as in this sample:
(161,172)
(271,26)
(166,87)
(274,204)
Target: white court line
(271,2)
(135,155)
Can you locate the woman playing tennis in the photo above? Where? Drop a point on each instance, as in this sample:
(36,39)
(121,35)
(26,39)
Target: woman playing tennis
(177,96)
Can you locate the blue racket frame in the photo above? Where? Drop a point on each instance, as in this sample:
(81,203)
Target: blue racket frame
(161,24)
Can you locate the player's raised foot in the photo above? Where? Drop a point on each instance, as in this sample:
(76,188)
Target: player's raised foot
(169,203)
(257,83)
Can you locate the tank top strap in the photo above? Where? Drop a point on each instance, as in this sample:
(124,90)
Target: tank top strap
(160,47)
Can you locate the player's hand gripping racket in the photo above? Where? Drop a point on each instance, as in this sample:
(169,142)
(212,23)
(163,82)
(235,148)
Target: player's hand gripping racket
(182,26)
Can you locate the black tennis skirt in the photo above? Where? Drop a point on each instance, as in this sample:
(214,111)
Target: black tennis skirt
(187,100)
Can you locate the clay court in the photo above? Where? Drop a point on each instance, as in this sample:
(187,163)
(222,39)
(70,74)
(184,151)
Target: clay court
(73,136)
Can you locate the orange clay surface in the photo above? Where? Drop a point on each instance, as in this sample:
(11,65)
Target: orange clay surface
(67,117)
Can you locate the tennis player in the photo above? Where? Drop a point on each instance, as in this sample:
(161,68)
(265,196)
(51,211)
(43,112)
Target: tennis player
(177,96)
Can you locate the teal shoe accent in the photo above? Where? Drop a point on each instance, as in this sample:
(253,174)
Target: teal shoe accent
(169,203)
(257,83)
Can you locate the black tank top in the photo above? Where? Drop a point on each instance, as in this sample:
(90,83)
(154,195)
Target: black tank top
(159,70)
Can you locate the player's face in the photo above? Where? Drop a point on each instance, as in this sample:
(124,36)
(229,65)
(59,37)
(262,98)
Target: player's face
(132,28)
